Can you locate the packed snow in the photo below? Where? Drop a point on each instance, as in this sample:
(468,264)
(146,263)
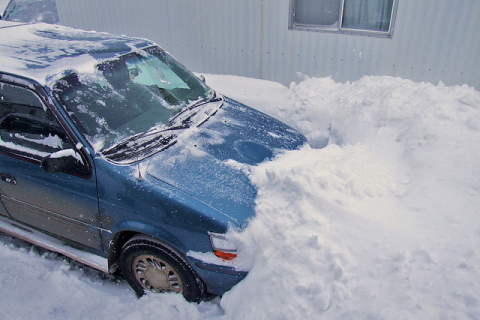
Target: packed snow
(378,218)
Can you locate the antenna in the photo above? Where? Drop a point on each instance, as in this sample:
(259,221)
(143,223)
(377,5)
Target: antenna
(139,171)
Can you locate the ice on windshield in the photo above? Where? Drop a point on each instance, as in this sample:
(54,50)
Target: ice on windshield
(129,95)
(153,72)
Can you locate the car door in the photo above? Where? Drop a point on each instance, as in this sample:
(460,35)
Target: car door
(61,204)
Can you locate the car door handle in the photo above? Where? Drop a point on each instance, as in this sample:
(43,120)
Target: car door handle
(8,178)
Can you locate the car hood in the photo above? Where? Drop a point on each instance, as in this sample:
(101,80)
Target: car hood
(212,162)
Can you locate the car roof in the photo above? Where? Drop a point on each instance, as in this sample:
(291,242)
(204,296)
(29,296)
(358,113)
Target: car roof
(45,52)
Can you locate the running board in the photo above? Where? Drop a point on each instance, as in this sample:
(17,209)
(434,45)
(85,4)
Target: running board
(42,240)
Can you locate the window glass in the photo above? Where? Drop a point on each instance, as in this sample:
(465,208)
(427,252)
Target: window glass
(26,125)
(367,14)
(151,71)
(317,12)
(370,17)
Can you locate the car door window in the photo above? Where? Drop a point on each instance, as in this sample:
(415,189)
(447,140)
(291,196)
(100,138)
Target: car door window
(26,125)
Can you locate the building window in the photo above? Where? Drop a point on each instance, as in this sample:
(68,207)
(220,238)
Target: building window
(364,17)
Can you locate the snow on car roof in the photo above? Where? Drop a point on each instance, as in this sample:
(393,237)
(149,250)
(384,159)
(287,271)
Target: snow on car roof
(44,52)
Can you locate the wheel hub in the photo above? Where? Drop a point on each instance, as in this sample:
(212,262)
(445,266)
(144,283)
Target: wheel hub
(156,275)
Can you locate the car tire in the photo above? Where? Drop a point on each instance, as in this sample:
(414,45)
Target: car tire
(149,266)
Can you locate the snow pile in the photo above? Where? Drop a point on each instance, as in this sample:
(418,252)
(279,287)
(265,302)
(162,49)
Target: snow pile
(383,223)
(377,219)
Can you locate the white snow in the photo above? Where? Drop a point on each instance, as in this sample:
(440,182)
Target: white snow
(47,66)
(378,219)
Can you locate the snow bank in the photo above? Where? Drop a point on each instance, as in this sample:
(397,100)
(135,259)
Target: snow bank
(377,219)
(383,223)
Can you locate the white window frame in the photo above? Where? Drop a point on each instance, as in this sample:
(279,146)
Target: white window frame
(292,25)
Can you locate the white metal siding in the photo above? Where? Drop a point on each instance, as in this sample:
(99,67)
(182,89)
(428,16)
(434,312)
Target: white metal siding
(433,40)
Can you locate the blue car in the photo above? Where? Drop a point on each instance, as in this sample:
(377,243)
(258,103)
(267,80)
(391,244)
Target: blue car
(114,154)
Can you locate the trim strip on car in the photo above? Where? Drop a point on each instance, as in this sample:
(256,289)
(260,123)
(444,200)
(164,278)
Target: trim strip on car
(221,269)
(52,244)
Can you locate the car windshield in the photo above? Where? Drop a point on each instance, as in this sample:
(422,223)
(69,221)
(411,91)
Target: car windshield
(129,96)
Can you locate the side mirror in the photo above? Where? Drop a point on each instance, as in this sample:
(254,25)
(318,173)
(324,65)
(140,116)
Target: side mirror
(202,78)
(68,161)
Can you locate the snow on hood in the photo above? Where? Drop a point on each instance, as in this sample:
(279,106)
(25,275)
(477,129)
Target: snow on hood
(212,162)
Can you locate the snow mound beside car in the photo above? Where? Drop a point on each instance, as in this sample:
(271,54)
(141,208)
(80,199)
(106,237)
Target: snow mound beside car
(382,223)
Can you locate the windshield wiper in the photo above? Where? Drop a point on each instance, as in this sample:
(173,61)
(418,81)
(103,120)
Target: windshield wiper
(182,120)
(157,136)
(137,146)
(127,142)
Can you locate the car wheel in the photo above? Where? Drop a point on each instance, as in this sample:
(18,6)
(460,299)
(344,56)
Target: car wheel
(149,266)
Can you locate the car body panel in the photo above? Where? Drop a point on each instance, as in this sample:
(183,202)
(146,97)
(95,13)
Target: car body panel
(56,203)
(3,211)
(223,147)
(139,204)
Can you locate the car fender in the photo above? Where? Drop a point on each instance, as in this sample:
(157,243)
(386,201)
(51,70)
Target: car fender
(129,229)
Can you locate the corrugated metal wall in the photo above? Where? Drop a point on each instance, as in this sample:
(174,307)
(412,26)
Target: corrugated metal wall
(214,36)
(434,40)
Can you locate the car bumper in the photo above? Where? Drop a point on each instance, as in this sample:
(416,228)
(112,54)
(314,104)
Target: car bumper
(219,279)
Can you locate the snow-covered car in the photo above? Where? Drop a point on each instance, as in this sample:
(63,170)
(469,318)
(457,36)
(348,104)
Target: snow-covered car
(31,11)
(114,154)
